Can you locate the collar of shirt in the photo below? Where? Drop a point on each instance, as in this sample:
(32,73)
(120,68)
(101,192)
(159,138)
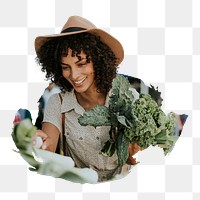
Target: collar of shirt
(70,102)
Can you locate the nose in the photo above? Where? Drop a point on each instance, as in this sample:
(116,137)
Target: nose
(74,74)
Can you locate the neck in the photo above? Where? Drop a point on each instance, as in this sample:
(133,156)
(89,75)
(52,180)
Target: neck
(91,99)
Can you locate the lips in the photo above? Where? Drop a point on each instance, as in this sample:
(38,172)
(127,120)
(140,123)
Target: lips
(77,83)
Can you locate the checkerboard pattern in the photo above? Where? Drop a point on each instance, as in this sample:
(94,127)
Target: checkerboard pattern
(161,39)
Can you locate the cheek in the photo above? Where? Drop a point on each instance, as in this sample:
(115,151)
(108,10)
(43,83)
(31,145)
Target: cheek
(90,70)
(91,74)
(65,74)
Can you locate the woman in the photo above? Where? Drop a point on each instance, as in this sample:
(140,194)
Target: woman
(83,61)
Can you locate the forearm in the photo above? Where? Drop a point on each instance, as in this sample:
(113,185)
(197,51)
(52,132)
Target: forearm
(52,133)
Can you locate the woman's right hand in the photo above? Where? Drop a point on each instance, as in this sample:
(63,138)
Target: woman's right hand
(40,135)
(49,135)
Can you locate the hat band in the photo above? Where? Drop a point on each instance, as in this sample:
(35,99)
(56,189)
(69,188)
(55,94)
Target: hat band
(72,29)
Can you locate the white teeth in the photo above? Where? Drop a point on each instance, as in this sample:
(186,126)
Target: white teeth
(78,82)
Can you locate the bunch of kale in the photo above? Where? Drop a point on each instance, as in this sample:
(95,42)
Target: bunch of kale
(138,121)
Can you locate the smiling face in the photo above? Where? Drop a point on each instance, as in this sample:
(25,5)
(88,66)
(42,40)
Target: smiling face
(78,72)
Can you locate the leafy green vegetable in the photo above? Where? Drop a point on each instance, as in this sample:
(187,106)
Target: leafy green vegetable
(138,121)
(152,123)
(121,102)
(98,116)
(122,143)
(45,162)
(23,135)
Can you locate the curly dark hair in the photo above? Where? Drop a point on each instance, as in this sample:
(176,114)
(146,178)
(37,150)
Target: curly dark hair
(104,60)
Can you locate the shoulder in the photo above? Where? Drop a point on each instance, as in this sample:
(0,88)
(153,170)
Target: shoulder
(54,98)
(63,94)
(66,94)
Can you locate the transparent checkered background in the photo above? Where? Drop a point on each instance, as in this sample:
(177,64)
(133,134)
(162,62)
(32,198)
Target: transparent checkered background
(162,47)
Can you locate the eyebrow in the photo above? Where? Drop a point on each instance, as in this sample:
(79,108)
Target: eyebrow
(64,64)
(75,62)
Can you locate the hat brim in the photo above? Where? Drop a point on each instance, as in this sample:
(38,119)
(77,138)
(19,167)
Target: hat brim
(105,37)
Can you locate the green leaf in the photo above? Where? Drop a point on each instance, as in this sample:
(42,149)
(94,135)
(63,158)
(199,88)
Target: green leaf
(98,116)
(29,158)
(47,156)
(121,98)
(80,175)
(161,136)
(122,120)
(63,167)
(122,143)
(23,134)
(173,138)
(46,162)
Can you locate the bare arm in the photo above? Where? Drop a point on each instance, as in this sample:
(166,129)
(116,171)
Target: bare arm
(51,125)
(52,133)
(49,135)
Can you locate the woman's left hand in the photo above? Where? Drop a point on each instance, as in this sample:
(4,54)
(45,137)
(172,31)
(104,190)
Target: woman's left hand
(133,149)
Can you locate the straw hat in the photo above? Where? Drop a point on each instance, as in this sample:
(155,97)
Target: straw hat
(75,25)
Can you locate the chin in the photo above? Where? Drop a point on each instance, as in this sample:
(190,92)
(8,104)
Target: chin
(80,90)
(83,88)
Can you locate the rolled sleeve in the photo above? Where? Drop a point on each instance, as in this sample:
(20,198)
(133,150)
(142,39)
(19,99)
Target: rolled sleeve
(52,113)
